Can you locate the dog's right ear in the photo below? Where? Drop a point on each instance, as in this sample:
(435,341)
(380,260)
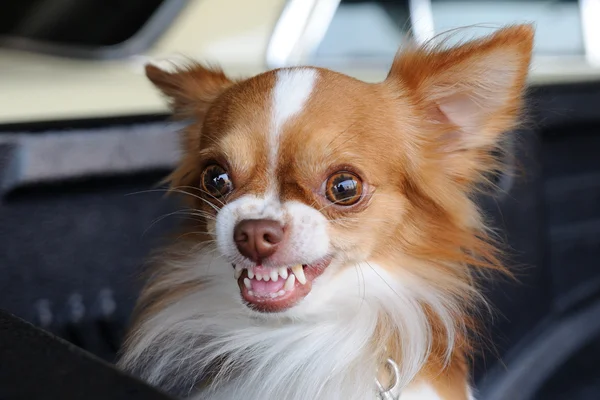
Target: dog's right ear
(191,89)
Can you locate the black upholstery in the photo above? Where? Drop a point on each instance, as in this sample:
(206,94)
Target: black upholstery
(37,366)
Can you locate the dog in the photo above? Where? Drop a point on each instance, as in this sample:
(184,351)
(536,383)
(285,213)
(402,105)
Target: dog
(334,247)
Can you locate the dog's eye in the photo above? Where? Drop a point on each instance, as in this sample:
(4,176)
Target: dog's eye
(344,188)
(215,181)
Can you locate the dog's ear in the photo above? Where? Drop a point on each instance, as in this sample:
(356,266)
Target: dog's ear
(472,93)
(190,89)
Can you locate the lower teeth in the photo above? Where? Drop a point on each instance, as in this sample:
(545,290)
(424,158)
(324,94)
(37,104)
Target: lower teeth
(290,282)
(269,295)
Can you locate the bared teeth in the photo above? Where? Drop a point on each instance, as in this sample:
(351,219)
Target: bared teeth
(274,274)
(238,271)
(277,294)
(289,283)
(283,272)
(299,272)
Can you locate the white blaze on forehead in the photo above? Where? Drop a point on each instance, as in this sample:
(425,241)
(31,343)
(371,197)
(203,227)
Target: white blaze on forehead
(292,89)
(290,94)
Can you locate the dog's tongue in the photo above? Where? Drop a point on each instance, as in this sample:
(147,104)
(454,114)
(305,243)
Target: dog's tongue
(262,288)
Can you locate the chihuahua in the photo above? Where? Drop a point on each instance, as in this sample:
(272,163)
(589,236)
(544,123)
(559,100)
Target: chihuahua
(334,247)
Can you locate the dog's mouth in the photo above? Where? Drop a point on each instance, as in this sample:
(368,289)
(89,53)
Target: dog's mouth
(268,289)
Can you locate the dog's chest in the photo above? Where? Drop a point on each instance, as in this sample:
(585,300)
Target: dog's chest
(421,392)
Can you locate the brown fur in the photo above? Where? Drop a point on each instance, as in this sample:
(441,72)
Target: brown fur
(415,157)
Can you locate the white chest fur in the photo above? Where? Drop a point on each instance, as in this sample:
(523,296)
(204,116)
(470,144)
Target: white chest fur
(323,350)
(426,392)
(420,392)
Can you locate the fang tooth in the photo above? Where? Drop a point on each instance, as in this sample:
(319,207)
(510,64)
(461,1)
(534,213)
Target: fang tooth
(289,283)
(274,275)
(237,273)
(247,283)
(299,272)
(283,272)
(251,272)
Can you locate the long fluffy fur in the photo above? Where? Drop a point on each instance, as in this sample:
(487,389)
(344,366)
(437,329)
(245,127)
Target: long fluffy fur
(401,283)
(208,333)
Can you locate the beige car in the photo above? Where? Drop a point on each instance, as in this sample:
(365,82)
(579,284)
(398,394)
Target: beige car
(41,80)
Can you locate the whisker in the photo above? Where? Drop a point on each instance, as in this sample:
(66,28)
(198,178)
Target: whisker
(217,209)
(198,233)
(191,218)
(184,212)
(339,135)
(361,279)
(383,280)
(346,141)
(203,214)
(157,220)
(202,191)
(147,191)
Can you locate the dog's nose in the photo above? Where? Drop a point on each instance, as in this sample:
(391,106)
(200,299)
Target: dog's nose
(257,238)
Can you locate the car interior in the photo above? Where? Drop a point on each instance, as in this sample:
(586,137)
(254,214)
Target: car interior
(80,209)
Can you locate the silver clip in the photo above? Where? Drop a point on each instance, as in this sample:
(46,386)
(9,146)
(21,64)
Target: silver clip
(393,391)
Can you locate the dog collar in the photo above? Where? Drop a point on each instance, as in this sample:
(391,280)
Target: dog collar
(392,391)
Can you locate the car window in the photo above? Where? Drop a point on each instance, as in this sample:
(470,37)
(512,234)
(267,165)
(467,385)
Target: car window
(369,32)
(558,23)
(363,32)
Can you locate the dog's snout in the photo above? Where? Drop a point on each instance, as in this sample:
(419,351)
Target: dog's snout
(257,239)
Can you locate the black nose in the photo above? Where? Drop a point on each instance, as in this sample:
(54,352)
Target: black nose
(257,238)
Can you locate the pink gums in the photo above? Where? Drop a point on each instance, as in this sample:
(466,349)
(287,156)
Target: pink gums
(259,298)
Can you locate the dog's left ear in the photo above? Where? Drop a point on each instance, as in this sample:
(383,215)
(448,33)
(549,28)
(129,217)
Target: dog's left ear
(471,93)
(190,89)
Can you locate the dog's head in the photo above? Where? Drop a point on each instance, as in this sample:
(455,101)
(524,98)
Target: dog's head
(333,222)
(301,174)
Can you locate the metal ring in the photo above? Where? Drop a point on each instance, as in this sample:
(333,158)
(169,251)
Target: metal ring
(391,392)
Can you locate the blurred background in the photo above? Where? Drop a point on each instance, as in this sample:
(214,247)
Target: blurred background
(84,137)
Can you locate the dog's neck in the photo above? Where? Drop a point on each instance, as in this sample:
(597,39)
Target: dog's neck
(333,349)
(387,384)
(388,381)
